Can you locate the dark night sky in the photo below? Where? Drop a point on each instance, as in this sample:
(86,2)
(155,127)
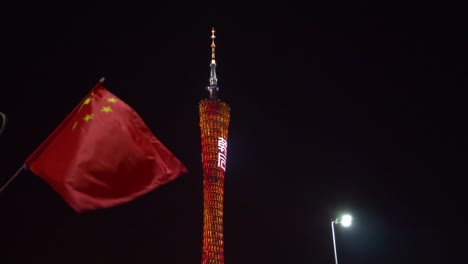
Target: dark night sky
(338,106)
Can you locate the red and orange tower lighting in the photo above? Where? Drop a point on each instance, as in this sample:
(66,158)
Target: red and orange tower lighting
(214,125)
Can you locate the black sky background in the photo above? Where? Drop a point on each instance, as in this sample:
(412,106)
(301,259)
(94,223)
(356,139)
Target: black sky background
(336,107)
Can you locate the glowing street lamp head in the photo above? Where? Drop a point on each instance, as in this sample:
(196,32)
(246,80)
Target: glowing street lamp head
(346,220)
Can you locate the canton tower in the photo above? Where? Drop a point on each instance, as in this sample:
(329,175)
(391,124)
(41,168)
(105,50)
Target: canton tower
(214,125)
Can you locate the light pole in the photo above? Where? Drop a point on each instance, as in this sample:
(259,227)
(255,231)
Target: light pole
(345,221)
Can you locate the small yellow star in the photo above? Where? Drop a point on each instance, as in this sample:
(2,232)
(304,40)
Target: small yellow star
(88,117)
(111,100)
(74,125)
(87,101)
(106,109)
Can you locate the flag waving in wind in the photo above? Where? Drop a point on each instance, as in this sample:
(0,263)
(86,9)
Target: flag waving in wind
(103,155)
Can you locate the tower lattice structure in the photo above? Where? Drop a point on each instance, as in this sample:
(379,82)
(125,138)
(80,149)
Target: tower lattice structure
(214,125)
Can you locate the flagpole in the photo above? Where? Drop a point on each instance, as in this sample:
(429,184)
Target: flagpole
(13,177)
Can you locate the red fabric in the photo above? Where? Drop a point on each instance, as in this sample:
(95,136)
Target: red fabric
(103,155)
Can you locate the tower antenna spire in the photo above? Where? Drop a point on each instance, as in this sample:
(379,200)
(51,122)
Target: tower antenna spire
(213,88)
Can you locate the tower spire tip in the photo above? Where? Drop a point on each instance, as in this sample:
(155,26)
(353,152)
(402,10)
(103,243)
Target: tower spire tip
(213,88)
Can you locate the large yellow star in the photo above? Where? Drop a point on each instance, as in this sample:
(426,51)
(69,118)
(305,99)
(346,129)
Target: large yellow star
(106,109)
(111,100)
(88,117)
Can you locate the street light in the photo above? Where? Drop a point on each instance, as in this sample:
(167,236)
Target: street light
(345,221)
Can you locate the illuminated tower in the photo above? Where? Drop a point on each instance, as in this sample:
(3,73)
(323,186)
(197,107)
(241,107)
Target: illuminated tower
(214,124)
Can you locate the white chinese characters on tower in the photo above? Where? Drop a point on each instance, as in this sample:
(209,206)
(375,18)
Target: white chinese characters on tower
(222,153)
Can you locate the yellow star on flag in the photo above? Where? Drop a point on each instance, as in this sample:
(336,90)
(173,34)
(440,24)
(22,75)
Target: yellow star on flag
(88,117)
(106,109)
(74,125)
(111,100)
(87,101)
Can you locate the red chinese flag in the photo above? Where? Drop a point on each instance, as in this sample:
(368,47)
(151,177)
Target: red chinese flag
(103,155)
